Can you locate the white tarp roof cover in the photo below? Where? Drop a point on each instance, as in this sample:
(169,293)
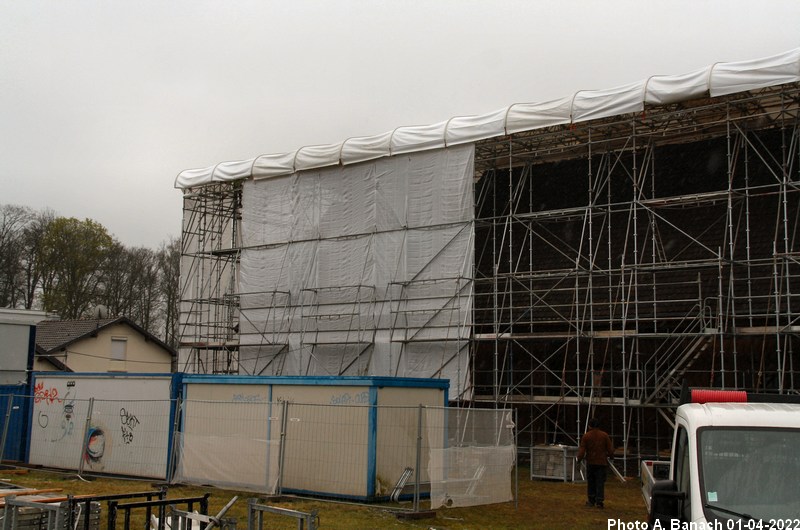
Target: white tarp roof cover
(718,79)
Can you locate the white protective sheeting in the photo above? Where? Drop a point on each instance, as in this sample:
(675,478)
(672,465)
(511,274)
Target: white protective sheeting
(583,105)
(595,104)
(273,165)
(232,444)
(226,461)
(475,465)
(222,172)
(365,148)
(528,116)
(664,89)
(418,138)
(462,130)
(361,270)
(728,78)
(315,156)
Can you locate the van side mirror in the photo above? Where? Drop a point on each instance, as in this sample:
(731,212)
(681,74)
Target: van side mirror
(666,503)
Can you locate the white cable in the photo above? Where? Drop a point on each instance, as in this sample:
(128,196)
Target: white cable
(78,517)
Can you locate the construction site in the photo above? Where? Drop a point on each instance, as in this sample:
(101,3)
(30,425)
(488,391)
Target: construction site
(580,258)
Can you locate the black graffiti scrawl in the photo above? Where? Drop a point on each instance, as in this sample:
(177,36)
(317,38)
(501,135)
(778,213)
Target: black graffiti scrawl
(129,422)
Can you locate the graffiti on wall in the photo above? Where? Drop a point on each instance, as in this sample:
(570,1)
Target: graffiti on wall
(95,448)
(101,424)
(66,419)
(129,422)
(53,407)
(248,398)
(47,395)
(360,398)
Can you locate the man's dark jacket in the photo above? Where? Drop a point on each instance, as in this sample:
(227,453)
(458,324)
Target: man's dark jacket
(596,447)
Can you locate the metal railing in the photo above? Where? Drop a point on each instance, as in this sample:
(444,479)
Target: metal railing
(255,516)
(161,505)
(81,505)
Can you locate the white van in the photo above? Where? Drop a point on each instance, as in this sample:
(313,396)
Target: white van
(731,462)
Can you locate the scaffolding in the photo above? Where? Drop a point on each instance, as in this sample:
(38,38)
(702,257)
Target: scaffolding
(614,259)
(210,250)
(623,256)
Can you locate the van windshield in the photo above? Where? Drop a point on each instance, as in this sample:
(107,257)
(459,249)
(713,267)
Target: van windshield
(750,471)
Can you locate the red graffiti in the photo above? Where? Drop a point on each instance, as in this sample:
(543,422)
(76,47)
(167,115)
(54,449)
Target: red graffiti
(49,395)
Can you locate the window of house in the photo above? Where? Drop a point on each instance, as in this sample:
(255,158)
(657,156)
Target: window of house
(119,348)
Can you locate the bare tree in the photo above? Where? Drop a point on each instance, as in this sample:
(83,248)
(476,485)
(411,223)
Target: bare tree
(118,281)
(169,261)
(130,285)
(12,225)
(32,262)
(144,273)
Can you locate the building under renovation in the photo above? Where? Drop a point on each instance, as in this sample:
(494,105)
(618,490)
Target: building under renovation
(583,256)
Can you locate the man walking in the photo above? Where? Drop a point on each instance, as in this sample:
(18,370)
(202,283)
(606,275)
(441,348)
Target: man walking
(596,448)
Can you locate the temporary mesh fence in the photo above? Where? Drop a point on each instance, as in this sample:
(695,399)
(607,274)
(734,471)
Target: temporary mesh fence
(396,449)
(125,437)
(229,444)
(460,457)
(463,457)
(472,455)
(328,450)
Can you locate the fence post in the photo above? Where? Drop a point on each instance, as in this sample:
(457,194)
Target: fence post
(281,448)
(112,515)
(85,446)
(251,520)
(5,426)
(203,504)
(171,459)
(418,460)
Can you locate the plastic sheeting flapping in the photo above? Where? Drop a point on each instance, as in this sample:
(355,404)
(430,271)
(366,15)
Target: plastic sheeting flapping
(360,270)
(583,105)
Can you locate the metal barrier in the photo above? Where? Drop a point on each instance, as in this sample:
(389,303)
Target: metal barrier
(255,516)
(19,515)
(82,505)
(41,514)
(161,505)
(180,519)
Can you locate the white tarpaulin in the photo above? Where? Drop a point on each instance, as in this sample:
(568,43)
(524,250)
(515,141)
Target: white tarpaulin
(361,270)
(583,105)
(230,444)
(474,467)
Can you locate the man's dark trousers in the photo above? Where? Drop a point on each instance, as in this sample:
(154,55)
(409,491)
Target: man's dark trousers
(595,483)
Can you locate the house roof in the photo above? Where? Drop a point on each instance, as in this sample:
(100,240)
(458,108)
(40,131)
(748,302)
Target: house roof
(42,355)
(54,335)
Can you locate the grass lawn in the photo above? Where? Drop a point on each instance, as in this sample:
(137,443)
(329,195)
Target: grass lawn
(541,504)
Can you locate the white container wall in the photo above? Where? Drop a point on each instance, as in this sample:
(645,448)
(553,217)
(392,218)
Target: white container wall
(128,428)
(226,436)
(340,438)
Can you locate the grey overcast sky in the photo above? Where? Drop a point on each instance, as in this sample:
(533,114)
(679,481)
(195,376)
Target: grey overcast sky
(104,102)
